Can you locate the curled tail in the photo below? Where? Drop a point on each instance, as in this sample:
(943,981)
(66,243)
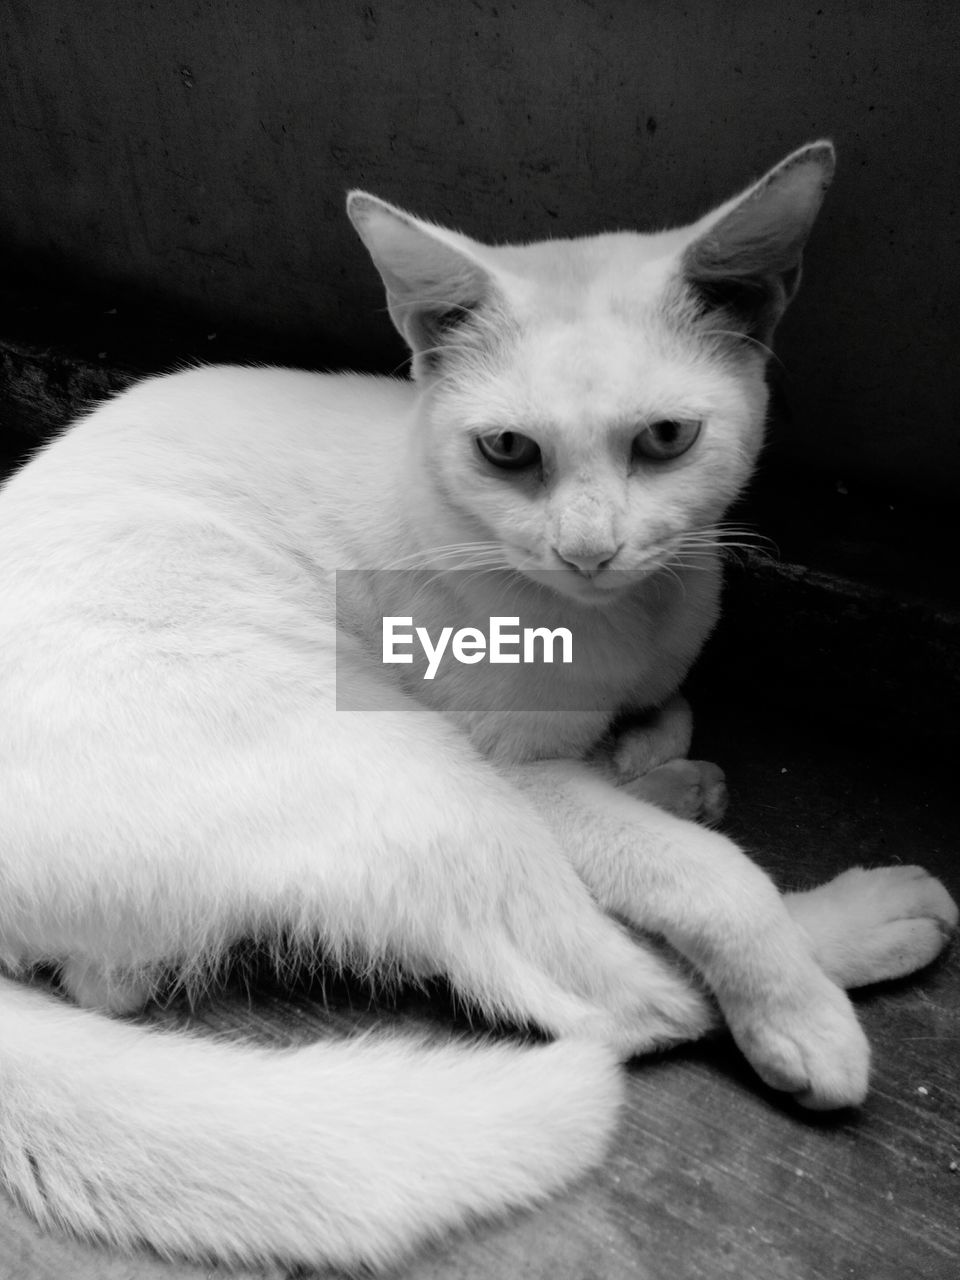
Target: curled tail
(344,1153)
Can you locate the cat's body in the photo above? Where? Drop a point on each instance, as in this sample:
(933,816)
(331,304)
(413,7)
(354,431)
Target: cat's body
(176,774)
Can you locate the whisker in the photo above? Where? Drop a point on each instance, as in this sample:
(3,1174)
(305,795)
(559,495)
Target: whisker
(730,535)
(477,566)
(481,572)
(669,569)
(444,551)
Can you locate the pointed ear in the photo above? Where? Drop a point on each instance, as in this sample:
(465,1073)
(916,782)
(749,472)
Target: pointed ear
(432,279)
(745,257)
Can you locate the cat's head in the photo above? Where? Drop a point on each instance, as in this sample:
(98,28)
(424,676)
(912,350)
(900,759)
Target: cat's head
(592,406)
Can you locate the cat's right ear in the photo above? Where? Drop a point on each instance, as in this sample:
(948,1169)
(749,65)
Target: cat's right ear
(432,279)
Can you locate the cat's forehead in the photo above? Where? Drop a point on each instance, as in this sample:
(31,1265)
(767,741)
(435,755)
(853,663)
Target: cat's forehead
(623,271)
(600,334)
(586,256)
(583,383)
(599,317)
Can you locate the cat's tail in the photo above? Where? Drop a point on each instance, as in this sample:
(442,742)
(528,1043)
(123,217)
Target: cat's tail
(345,1153)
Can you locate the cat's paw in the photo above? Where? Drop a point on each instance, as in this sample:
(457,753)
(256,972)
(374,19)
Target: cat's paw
(811,1047)
(664,736)
(873,925)
(694,789)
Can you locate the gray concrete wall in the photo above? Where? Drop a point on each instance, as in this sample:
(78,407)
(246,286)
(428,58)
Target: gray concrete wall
(199,152)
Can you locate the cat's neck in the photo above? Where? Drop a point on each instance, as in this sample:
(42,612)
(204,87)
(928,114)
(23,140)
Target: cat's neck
(629,654)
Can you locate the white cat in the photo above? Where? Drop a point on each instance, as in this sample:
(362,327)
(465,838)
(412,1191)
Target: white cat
(176,775)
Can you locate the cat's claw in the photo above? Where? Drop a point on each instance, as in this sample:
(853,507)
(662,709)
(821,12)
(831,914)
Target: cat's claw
(816,1052)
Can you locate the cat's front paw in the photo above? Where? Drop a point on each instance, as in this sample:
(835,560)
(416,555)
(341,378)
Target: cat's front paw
(873,925)
(665,735)
(694,789)
(811,1047)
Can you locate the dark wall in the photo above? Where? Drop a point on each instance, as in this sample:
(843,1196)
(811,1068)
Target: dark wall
(199,153)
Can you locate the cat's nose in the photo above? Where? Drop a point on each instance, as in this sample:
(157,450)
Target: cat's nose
(589,563)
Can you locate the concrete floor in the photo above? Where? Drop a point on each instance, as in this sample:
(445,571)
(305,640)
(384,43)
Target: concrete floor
(711,1176)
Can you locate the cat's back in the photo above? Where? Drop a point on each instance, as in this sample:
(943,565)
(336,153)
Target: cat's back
(234,417)
(188,494)
(266,447)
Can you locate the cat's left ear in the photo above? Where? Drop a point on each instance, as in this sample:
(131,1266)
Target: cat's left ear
(432,278)
(745,257)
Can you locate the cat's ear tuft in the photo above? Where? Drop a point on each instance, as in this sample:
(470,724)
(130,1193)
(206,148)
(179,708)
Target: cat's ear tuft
(745,257)
(432,279)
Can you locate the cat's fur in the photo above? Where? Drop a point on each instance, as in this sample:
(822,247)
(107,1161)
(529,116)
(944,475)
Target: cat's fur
(175,775)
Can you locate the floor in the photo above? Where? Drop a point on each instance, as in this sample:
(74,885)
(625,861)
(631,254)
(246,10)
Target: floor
(711,1176)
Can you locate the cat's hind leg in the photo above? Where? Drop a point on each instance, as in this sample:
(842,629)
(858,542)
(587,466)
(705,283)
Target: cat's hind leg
(639,1004)
(381,838)
(459,872)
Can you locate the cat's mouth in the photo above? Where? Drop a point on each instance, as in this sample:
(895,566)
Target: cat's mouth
(598,586)
(607,583)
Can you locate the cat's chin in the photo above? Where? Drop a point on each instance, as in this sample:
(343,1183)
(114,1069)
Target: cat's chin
(605,588)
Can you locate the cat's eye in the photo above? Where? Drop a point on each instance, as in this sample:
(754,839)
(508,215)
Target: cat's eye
(509,450)
(667,438)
